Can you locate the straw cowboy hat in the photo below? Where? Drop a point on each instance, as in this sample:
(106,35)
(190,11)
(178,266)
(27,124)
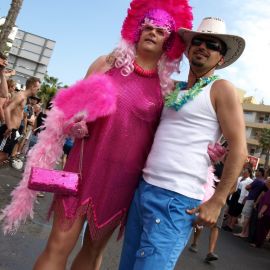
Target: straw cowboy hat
(216,27)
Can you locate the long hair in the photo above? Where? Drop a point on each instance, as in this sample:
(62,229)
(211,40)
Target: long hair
(125,55)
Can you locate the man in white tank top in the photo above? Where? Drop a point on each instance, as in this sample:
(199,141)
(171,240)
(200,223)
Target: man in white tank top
(168,201)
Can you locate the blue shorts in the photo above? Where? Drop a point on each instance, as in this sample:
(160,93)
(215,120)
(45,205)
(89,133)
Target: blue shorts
(157,230)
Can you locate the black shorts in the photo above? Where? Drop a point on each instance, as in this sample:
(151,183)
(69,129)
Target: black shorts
(235,208)
(8,143)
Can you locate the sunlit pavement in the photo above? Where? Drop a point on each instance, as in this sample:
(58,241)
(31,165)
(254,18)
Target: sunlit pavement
(18,252)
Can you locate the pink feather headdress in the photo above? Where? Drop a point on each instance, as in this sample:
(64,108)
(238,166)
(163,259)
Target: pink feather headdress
(169,14)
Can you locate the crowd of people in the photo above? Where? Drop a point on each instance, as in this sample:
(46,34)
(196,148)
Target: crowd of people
(161,129)
(249,207)
(20,120)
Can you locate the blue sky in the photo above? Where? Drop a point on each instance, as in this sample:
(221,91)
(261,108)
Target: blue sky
(84,30)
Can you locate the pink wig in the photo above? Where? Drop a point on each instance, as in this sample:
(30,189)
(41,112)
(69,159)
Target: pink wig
(170,14)
(125,55)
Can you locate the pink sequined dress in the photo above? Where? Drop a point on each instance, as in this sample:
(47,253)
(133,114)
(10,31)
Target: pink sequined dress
(114,156)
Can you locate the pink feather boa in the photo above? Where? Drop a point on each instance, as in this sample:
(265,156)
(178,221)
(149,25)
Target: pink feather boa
(87,99)
(216,152)
(209,186)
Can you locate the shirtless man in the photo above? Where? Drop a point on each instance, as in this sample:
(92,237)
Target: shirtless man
(13,116)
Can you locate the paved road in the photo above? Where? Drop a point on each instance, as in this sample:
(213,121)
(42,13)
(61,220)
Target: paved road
(18,252)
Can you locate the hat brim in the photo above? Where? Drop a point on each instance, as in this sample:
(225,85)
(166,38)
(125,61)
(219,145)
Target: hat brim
(235,44)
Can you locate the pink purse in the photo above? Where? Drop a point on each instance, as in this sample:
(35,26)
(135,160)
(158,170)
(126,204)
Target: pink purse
(58,182)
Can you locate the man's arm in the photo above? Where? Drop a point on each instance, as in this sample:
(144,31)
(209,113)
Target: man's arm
(15,102)
(230,116)
(3,81)
(2,115)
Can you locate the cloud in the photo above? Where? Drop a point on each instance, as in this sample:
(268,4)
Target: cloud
(251,72)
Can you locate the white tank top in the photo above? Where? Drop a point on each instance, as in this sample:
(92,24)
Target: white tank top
(178,160)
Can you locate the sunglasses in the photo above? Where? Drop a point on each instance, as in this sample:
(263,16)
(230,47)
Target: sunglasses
(210,44)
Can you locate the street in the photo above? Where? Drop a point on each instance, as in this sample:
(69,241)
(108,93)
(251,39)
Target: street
(18,252)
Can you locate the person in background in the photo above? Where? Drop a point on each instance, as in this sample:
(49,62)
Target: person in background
(14,112)
(254,190)
(236,203)
(263,222)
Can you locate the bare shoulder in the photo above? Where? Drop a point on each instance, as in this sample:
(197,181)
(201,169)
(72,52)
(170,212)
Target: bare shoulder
(224,92)
(100,65)
(224,88)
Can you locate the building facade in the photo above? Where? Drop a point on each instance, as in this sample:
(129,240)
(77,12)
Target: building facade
(30,55)
(257,117)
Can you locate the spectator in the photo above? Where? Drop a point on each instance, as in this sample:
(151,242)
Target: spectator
(14,112)
(263,223)
(236,203)
(255,189)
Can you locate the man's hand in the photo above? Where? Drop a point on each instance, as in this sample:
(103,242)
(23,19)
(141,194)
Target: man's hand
(207,213)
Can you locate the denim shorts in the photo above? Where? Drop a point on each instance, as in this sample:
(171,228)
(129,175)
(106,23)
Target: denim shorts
(157,230)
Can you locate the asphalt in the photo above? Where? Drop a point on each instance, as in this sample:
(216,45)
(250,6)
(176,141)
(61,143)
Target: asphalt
(19,251)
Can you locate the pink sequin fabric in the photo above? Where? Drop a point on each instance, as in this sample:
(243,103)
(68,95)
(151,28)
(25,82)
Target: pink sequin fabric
(61,182)
(114,156)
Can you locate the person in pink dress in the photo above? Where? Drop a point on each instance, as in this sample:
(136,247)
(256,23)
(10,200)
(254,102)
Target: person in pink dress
(116,146)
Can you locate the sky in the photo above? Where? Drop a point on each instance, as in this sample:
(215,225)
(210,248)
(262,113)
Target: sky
(86,29)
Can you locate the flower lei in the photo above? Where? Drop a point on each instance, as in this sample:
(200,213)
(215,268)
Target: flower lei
(176,101)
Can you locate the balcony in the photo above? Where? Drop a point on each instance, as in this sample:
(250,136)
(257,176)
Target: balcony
(259,124)
(253,140)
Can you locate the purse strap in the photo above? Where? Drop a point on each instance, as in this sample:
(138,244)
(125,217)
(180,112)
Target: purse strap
(81,158)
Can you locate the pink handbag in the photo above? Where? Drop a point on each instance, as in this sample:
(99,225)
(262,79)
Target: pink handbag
(58,182)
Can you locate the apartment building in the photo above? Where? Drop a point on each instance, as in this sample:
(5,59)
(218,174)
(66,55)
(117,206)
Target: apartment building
(30,55)
(257,117)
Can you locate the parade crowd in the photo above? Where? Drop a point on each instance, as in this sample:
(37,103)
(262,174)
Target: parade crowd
(22,116)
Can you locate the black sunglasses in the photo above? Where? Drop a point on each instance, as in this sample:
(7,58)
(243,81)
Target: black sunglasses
(210,44)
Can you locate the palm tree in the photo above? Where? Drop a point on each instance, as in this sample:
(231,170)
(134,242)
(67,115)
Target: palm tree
(6,28)
(48,89)
(264,141)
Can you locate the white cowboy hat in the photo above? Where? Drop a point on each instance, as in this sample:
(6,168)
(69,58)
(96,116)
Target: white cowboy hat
(216,27)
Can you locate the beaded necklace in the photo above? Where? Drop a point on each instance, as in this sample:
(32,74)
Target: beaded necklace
(145,73)
(177,100)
